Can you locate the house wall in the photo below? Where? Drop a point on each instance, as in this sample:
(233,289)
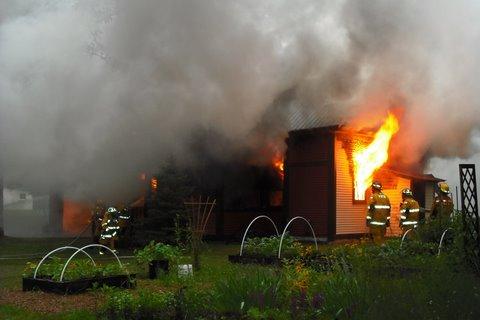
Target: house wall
(310,182)
(395,196)
(429,197)
(350,216)
(24,214)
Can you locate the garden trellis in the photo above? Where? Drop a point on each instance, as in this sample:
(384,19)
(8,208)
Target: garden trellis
(198,211)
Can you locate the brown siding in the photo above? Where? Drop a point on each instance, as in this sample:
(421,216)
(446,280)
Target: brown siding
(236,223)
(429,195)
(309,199)
(310,181)
(309,147)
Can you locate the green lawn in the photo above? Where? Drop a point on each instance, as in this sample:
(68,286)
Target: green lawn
(384,284)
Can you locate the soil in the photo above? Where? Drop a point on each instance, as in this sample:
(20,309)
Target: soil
(42,302)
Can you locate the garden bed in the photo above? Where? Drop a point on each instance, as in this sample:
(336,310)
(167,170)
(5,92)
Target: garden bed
(77,286)
(247,259)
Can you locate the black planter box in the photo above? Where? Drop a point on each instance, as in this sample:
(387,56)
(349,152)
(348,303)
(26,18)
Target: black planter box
(77,286)
(263,260)
(155,265)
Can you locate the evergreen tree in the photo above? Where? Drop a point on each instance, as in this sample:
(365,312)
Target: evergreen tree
(164,207)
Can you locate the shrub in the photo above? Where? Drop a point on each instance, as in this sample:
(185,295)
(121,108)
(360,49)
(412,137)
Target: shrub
(124,305)
(77,269)
(268,246)
(156,251)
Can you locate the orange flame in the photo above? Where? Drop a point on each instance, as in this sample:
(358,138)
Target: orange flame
(154,184)
(367,160)
(278,165)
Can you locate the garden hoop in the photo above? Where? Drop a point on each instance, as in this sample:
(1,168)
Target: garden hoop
(404,235)
(56,250)
(285,231)
(441,241)
(81,249)
(246,231)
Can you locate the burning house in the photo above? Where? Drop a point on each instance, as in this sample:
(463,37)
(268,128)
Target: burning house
(327,183)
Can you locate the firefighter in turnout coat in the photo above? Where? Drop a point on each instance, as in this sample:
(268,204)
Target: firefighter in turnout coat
(442,205)
(409,211)
(97,218)
(110,228)
(378,215)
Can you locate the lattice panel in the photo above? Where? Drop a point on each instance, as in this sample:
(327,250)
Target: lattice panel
(468,184)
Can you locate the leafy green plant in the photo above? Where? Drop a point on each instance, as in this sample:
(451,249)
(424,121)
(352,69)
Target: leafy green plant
(157,251)
(268,246)
(124,305)
(77,269)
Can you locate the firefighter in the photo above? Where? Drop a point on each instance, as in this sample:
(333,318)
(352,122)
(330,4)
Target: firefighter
(442,207)
(97,217)
(378,214)
(409,211)
(123,216)
(110,228)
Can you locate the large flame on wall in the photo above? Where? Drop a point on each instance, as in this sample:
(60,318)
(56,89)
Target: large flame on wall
(367,160)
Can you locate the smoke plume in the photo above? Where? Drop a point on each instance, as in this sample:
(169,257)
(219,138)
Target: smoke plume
(92,93)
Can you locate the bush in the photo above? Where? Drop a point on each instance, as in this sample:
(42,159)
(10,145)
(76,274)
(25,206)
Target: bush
(124,305)
(77,269)
(156,251)
(268,246)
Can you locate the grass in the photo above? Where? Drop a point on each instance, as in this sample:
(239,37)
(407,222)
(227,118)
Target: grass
(384,284)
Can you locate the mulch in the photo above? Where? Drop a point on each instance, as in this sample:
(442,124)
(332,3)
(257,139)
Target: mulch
(37,301)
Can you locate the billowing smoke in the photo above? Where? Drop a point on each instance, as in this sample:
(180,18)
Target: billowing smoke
(92,93)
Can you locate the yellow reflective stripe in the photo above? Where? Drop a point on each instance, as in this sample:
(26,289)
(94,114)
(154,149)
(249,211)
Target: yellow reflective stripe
(409,222)
(368,217)
(378,206)
(376,223)
(388,218)
(414,210)
(403,217)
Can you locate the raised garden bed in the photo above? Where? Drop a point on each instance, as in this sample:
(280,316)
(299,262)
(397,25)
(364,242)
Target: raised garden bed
(247,259)
(77,286)
(73,276)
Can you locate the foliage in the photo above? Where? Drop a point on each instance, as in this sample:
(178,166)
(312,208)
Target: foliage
(268,246)
(14,313)
(164,206)
(77,269)
(143,305)
(157,251)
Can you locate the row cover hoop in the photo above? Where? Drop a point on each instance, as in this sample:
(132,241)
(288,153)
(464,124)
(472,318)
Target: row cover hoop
(56,250)
(85,247)
(251,223)
(285,231)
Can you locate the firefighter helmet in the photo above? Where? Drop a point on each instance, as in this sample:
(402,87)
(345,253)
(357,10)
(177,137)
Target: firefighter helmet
(377,185)
(407,192)
(111,209)
(443,186)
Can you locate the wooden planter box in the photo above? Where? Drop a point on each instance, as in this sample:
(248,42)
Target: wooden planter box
(155,266)
(318,261)
(77,286)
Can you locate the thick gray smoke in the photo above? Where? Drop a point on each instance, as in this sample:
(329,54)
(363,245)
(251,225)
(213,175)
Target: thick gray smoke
(92,93)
